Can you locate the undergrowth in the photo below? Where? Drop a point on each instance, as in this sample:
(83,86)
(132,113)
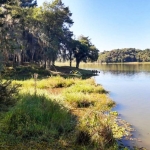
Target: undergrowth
(8,94)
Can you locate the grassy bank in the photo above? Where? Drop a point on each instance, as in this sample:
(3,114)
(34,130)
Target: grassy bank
(26,72)
(63,113)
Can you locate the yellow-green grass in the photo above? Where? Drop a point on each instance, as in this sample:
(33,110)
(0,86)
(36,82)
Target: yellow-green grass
(86,88)
(51,82)
(77,117)
(83,100)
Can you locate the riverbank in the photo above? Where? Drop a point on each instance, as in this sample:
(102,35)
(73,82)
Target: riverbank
(61,113)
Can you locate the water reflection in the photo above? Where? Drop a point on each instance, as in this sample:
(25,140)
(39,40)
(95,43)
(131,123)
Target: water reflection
(129,86)
(119,68)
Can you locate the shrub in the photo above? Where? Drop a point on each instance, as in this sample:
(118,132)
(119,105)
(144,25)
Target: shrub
(8,94)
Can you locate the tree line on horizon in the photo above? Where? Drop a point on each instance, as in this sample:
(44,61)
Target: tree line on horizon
(29,33)
(124,55)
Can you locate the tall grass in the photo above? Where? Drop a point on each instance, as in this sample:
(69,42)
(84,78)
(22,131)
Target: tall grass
(77,116)
(96,128)
(51,82)
(83,100)
(38,118)
(86,88)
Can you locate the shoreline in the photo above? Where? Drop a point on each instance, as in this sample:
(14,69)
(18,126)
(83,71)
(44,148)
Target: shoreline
(84,99)
(96,63)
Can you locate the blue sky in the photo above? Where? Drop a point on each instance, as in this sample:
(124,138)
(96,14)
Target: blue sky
(111,24)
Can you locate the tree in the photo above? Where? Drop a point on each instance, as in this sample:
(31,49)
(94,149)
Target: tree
(85,51)
(41,34)
(125,55)
(11,29)
(34,34)
(55,28)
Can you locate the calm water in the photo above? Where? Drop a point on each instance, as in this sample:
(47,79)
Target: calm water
(129,87)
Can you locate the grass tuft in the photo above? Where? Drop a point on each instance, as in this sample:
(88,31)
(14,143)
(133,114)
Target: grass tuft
(86,88)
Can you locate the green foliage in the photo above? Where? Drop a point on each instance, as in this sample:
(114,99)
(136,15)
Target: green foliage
(125,55)
(8,94)
(36,34)
(37,118)
(41,34)
(84,50)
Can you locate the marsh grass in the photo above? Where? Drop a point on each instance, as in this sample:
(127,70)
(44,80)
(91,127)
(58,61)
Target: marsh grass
(77,117)
(86,88)
(94,100)
(37,118)
(95,127)
(50,82)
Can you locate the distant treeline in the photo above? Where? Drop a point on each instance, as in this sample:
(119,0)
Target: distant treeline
(125,55)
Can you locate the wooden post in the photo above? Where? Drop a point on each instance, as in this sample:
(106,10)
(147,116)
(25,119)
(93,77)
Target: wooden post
(35,79)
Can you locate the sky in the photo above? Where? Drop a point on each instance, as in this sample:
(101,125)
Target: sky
(111,24)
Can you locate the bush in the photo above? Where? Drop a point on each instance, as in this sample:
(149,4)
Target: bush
(8,94)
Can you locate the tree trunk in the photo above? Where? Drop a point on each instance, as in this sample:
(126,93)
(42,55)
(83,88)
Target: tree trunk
(70,58)
(77,64)
(14,60)
(18,58)
(45,63)
(49,63)
(53,63)
(70,63)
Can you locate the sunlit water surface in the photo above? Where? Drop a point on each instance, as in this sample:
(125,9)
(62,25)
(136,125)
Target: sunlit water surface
(129,87)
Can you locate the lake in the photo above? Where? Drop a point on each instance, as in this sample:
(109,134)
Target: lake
(129,86)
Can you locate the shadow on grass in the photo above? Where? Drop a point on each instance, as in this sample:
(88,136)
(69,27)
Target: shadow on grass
(37,122)
(65,71)
(24,72)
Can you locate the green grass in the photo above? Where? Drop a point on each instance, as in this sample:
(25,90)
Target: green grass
(37,118)
(75,117)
